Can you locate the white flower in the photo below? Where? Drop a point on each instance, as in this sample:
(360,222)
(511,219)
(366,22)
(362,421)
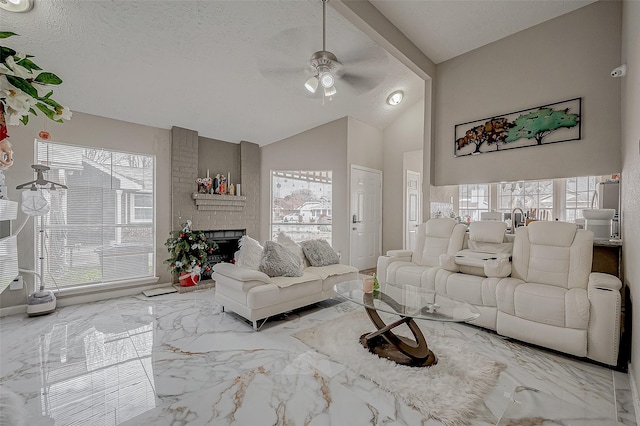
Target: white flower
(64,113)
(178,264)
(18,70)
(5,70)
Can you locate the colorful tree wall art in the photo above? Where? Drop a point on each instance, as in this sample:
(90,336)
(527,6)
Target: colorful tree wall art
(558,122)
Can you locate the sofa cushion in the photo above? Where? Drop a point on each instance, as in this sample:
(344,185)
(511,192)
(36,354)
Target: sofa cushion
(487,231)
(557,234)
(319,253)
(250,253)
(330,270)
(278,261)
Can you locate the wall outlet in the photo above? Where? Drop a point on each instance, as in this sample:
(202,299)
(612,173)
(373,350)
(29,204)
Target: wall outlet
(17,283)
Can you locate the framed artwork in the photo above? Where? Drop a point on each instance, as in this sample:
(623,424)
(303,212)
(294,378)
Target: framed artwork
(552,123)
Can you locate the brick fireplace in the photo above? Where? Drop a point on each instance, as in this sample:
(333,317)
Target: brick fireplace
(191,157)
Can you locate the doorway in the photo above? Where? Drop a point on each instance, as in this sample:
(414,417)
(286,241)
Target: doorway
(366,217)
(413,212)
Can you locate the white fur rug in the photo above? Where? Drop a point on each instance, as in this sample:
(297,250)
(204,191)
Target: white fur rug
(450,391)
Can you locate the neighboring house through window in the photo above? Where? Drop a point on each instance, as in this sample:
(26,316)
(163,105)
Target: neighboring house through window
(101,229)
(301,204)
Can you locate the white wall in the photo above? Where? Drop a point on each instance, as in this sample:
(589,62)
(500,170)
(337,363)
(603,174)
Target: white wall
(564,58)
(631,167)
(90,130)
(321,148)
(405,134)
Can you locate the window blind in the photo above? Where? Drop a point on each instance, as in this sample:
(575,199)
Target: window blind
(102,228)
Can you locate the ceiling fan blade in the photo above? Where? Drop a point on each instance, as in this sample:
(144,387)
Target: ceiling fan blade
(362,84)
(369,56)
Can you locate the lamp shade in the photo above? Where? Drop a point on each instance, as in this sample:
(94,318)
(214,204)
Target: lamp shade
(311,84)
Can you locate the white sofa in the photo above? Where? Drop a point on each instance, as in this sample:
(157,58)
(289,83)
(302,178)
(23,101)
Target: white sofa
(550,299)
(256,296)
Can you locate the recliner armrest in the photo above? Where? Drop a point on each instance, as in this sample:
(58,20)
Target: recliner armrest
(401,253)
(598,280)
(239,273)
(385,261)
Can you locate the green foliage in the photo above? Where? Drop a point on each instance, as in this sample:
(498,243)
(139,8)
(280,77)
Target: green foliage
(188,249)
(25,78)
(539,124)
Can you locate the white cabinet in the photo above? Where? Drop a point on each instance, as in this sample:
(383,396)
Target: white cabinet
(8,246)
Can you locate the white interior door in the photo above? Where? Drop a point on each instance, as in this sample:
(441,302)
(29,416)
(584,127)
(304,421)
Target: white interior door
(366,217)
(413,216)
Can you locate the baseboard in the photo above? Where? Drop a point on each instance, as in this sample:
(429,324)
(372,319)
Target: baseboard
(13,310)
(88,297)
(634,394)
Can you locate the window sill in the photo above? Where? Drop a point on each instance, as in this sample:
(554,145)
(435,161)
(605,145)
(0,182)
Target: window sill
(112,286)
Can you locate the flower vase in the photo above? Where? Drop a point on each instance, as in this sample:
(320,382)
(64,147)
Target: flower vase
(188,279)
(202,189)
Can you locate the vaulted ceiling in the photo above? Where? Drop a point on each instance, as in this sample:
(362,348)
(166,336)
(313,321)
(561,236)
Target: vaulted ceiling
(234,70)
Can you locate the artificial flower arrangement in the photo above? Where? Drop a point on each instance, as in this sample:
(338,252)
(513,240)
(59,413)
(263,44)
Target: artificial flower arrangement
(188,251)
(205,181)
(24,88)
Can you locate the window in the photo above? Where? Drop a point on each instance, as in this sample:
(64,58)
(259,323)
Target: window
(141,207)
(473,200)
(579,192)
(102,228)
(532,197)
(301,204)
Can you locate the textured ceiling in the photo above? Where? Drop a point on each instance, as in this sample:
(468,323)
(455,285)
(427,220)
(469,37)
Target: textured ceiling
(444,29)
(234,70)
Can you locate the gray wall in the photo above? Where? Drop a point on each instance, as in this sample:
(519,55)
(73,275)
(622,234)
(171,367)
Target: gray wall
(89,130)
(568,57)
(321,148)
(191,157)
(403,135)
(631,167)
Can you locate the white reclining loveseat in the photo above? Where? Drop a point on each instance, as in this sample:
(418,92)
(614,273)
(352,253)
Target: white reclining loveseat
(551,298)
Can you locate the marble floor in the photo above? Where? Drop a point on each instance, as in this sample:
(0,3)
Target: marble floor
(177,359)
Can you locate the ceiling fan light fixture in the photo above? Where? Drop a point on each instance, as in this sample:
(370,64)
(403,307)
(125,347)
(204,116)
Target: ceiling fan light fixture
(326,78)
(330,91)
(311,84)
(395,98)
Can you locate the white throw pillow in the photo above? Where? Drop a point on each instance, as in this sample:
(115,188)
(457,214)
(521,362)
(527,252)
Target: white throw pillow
(285,240)
(250,253)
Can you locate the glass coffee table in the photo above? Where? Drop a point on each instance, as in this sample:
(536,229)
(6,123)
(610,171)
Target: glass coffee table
(409,303)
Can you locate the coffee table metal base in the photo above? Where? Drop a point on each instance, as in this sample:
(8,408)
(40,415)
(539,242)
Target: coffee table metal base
(402,350)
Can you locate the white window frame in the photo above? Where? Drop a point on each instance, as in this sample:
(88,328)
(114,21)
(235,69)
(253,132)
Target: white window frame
(133,207)
(476,211)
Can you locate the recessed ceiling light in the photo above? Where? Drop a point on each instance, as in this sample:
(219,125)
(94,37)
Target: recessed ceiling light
(16,5)
(395,98)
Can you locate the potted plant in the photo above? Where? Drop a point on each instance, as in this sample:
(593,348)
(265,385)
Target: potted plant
(188,252)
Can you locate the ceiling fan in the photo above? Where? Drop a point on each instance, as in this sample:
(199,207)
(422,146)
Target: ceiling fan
(325,64)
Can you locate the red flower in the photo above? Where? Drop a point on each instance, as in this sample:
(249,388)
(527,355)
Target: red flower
(182,235)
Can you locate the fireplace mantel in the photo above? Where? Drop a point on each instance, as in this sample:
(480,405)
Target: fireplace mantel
(219,202)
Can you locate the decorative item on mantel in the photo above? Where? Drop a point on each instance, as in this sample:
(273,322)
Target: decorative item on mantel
(188,252)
